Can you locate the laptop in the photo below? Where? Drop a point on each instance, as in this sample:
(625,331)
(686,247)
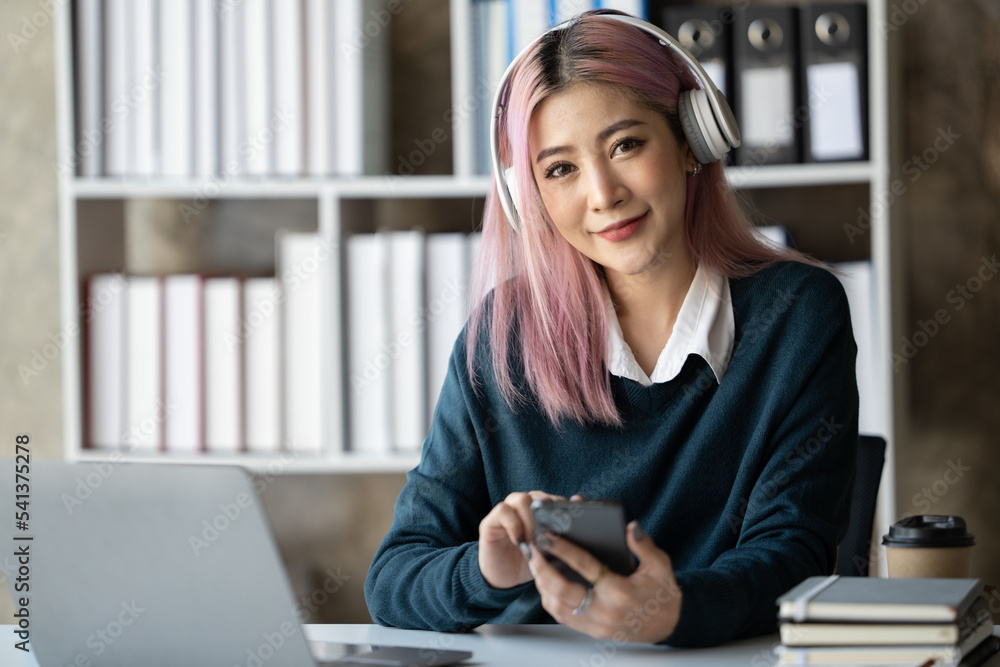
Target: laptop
(158,564)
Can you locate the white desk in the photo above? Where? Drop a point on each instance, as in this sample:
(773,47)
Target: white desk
(515,646)
(511,646)
(551,645)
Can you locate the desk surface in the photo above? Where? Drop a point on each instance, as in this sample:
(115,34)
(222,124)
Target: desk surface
(520,645)
(507,645)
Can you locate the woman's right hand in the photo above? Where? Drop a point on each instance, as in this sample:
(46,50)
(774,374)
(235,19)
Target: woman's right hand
(501,561)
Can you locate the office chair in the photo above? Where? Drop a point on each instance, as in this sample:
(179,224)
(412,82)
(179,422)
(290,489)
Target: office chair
(853,550)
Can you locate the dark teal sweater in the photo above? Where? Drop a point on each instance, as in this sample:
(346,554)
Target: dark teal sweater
(745,484)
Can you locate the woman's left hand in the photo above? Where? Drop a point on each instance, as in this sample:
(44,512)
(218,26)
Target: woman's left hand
(642,607)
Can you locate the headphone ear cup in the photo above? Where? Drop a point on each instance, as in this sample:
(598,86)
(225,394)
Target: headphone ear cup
(510,180)
(700,126)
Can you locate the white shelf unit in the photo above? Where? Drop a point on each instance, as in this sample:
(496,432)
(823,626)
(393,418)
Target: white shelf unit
(331,194)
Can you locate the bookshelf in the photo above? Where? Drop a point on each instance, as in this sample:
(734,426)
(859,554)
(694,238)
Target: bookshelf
(93,207)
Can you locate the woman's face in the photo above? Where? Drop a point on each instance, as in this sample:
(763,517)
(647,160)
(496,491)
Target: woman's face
(612,177)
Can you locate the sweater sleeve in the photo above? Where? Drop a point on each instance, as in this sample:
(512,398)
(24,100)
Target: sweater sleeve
(798,509)
(425,575)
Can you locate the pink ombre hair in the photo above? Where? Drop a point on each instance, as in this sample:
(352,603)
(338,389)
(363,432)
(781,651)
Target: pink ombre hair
(545,290)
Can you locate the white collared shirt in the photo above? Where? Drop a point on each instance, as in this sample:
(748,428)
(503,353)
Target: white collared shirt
(704,326)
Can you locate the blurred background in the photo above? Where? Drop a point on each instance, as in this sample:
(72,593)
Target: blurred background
(945,69)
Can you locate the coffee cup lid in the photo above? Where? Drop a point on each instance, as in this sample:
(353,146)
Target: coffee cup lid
(929,530)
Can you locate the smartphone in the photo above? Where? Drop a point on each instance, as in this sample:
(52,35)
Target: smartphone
(595,525)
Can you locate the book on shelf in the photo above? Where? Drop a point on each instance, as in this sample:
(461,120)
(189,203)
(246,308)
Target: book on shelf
(144,90)
(369,358)
(145,411)
(320,89)
(257,146)
(183,358)
(303,261)
(261,310)
(116,77)
(206,87)
(858,280)
(879,600)
(408,332)
(878,633)
(176,120)
(287,66)
(105,359)
(223,365)
(361,63)
(195,88)
(232,92)
(87,149)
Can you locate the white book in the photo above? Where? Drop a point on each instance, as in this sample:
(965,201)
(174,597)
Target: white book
(145,409)
(106,359)
(223,365)
(117,61)
(176,99)
(530,19)
(232,116)
(206,88)
(288,72)
(182,363)
(369,362)
(303,262)
(320,87)
(89,145)
(144,89)
(361,72)
(407,339)
(257,147)
(859,284)
(259,328)
(447,281)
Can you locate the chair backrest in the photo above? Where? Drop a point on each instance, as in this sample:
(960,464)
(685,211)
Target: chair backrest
(853,551)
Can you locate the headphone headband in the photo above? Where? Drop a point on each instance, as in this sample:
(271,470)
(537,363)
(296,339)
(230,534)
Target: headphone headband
(706,118)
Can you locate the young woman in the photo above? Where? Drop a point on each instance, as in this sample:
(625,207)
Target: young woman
(640,343)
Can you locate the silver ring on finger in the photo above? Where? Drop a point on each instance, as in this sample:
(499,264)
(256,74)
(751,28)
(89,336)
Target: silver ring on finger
(585,603)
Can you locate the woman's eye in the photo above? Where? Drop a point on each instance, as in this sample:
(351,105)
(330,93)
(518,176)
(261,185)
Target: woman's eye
(627,144)
(558,170)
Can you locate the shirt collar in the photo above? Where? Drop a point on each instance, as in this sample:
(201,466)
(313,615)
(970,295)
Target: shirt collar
(704,326)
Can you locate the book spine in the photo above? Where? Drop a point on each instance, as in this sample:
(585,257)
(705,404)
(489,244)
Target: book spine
(90,84)
(146,410)
(303,275)
(259,330)
(206,89)
(176,101)
(257,148)
(288,89)
(183,361)
(106,359)
(223,366)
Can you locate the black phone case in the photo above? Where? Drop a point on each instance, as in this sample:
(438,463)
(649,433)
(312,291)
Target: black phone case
(595,525)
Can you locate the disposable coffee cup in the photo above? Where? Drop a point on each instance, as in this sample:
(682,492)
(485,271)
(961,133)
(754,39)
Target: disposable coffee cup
(929,545)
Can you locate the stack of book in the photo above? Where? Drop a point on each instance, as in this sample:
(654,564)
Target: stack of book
(867,621)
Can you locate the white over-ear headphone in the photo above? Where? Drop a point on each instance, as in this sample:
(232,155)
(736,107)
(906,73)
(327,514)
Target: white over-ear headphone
(706,119)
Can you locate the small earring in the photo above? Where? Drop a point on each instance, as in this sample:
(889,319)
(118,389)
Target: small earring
(696,170)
